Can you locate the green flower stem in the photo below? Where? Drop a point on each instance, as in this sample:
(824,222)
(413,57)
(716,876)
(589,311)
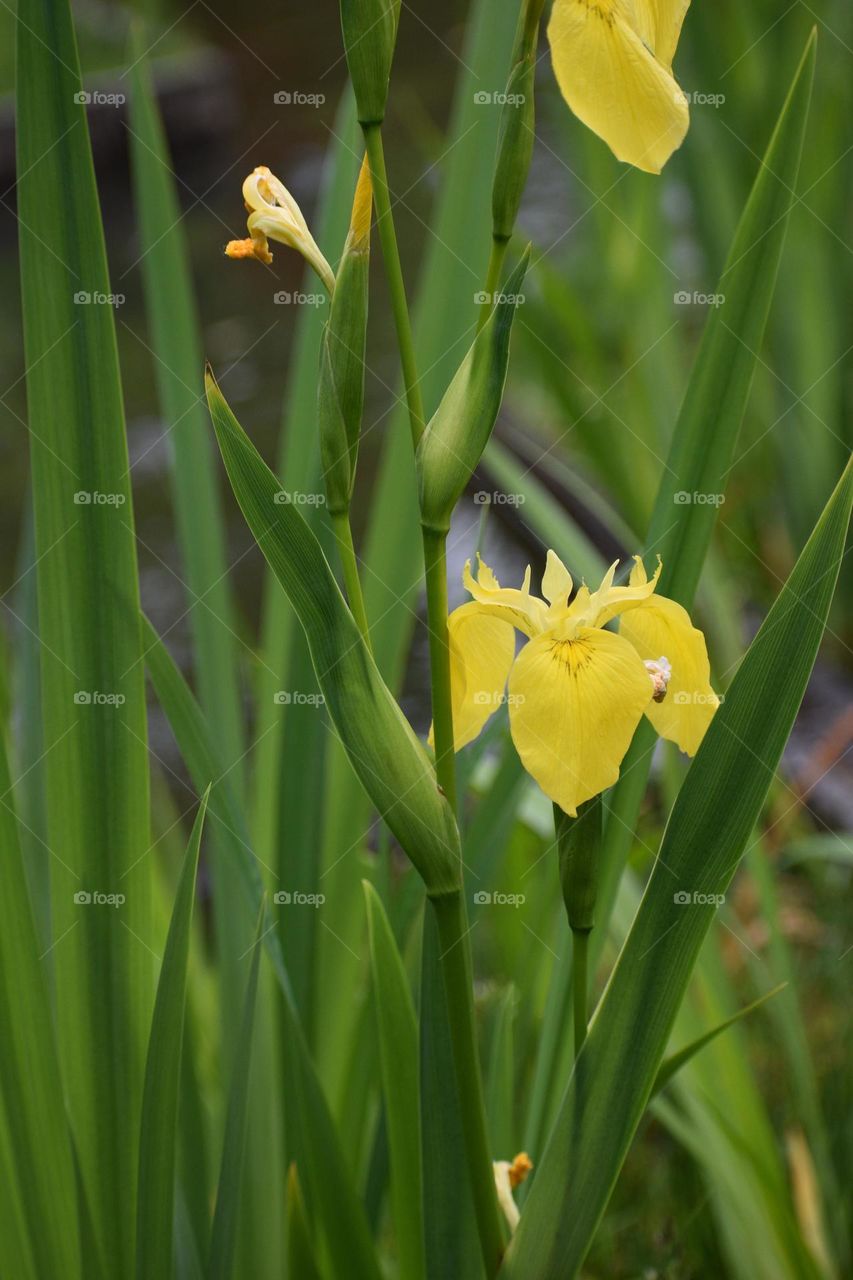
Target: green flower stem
(435,561)
(497,255)
(349,564)
(452,920)
(580,958)
(391,255)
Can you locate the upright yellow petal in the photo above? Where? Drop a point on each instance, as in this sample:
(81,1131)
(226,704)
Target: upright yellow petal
(612,80)
(662,628)
(598,607)
(668,16)
(573,707)
(557,583)
(519,607)
(482,648)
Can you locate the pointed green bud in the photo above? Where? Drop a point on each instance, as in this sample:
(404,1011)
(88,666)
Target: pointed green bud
(370,33)
(459,431)
(518,120)
(579,849)
(341,387)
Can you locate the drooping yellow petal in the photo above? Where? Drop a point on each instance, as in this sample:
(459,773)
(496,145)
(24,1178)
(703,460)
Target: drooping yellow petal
(662,628)
(518,607)
(482,648)
(610,77)
(275,215)
(573,707)
(668,17)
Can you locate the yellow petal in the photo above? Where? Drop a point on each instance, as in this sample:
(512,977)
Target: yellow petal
(662,628)
(597,608)
(517,607)
(668,16)
(556,582)
(482,648)
(573,707)
(612,80)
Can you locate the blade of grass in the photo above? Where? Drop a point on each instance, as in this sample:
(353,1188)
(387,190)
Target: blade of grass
(398,1049)
(41,1182)
(711,822)
(223,1236)
(158,1128)
(93,705)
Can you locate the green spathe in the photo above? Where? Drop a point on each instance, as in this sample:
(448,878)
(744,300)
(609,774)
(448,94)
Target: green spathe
(370,33)
(459,430)
(384,752)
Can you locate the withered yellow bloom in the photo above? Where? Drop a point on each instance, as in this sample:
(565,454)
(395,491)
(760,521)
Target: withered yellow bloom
(275,215)
(577,692)
(613,63)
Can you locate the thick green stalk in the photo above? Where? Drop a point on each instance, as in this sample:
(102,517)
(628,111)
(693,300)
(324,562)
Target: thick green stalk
(391,255)
(580,956)
(435,561)
(452,920)
(497,255)
(349,565)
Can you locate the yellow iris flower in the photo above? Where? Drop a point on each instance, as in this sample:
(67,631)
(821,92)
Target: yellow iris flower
(613,63)
(275,215)
(577,692)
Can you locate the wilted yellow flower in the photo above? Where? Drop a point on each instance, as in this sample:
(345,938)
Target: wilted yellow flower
(613,63)
(510,1174)
(576,691)
(275,215)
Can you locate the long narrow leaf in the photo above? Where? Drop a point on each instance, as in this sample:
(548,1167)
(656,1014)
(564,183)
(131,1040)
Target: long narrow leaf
(92,679)
(158,1130)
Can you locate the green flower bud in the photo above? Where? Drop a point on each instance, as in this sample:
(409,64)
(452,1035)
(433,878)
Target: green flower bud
(579,848)
(459,431)
(341,385)
(518,119)
(370,33)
